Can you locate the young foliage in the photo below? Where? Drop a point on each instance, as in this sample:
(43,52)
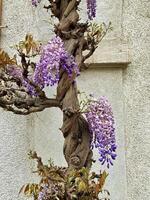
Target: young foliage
(6,60)
(58,183)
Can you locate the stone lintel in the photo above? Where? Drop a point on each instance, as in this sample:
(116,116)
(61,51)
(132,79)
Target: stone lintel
(111,53)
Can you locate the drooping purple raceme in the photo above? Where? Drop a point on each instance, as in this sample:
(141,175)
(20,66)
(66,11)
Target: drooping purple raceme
(101,123)
(54,56)
(47,70)
(17,73)
(91,9)
(35,2)
(43,193)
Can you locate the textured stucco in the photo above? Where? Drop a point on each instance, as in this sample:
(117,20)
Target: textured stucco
(14,164)
(39,132)
(15,142)
(136,28)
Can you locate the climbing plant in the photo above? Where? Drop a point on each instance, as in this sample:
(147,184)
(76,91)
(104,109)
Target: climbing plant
(87,123)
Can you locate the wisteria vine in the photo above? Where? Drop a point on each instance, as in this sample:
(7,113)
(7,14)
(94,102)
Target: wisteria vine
(91,9)
(98,112)
(101,123)
(53,57)
(23,94)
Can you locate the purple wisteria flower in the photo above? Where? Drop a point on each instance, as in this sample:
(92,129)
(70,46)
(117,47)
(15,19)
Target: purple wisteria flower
(47,70)
(54,56)
(52,190)
(17,73)
(43,193)
(101,123)
(35,2)
(91,9)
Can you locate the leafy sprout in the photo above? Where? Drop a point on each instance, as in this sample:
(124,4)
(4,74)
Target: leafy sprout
(56,182)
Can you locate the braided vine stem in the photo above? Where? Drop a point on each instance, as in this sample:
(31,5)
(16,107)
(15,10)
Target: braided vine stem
(75,129)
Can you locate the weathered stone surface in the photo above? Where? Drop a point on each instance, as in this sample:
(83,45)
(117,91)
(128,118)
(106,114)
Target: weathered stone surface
(136,28)
(111,51)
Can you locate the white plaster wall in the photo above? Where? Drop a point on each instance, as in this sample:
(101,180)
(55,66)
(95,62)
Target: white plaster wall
(14,164)
(136,27)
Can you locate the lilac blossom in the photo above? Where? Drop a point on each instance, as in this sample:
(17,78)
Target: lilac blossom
(17,72)
(50,191)
(29,87)
(91,9)
(35,2)
(47,70)
(101,123)
(54,56)
(43,193)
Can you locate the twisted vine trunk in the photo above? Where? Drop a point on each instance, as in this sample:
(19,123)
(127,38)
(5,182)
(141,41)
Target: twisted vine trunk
(75,128)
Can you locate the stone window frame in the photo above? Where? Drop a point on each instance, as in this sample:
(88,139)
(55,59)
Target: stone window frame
(111,52)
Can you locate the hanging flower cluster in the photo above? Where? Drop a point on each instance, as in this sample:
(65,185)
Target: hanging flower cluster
(53,190)
(91,9)
(43,193)
(101,123)
(53,56)
(35,2)
(47,70)
(17,72)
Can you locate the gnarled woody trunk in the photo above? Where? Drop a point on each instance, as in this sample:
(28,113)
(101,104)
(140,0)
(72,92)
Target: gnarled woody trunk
(75,128)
